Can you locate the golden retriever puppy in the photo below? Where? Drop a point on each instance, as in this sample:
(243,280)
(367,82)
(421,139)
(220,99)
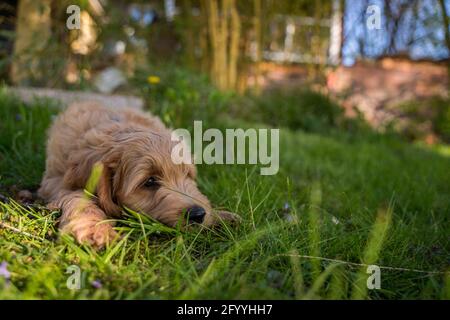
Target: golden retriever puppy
(132,149)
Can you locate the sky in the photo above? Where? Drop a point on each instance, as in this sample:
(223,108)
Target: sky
(428,29)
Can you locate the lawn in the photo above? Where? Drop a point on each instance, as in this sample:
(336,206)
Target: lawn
(343,199)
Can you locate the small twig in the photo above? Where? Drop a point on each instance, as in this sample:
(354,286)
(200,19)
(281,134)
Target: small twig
(364,265)
(14,229)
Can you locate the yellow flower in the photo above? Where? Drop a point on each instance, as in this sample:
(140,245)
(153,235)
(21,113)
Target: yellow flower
(153,79)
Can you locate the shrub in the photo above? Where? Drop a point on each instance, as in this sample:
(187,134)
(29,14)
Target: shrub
(305,109)
(180,96)
(421,118)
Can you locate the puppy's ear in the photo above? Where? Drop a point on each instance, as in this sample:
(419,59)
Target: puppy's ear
(78,171)
(105,192)
(86,171)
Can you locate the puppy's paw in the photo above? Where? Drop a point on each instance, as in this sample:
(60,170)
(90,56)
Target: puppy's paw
(227,217)
(103,235)
(97,233)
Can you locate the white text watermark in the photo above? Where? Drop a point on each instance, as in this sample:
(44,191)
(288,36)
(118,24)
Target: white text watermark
(237,146)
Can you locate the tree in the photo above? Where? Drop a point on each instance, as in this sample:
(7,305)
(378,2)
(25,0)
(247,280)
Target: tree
(445,24)
(258,41)
(32,35)
(224,30)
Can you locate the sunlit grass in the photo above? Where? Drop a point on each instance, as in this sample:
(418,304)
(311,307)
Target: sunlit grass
(338,205)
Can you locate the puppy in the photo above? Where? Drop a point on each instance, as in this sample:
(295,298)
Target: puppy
(132,151)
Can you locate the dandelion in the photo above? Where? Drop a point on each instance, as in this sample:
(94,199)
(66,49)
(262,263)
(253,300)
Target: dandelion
(153,79)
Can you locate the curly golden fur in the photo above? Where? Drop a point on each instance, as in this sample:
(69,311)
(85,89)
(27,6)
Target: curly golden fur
(130,147)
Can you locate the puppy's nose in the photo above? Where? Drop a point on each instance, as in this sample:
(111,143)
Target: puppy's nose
(196,214)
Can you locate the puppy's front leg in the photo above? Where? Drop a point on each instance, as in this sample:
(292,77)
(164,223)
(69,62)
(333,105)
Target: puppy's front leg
(83,219)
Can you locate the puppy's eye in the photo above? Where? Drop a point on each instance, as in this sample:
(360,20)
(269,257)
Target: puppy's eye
(151,182)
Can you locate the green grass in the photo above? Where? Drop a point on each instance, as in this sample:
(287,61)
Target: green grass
(346,198)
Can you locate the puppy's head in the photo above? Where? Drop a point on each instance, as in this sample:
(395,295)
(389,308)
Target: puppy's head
(138,172)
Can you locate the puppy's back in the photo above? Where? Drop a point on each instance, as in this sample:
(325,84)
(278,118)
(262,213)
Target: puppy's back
(85,126)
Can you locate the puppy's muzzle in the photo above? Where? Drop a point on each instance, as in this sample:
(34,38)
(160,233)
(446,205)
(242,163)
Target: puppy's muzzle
(195,214)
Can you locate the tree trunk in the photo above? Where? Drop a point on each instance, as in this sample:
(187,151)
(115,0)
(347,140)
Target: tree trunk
(212,16)
(224,34)
(258,41)
(188,33)
(336,30)
(223,45)
(234,45)
(206,58)
(33,31)
(445,22)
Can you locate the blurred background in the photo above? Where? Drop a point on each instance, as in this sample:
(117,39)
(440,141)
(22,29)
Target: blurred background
(291,63)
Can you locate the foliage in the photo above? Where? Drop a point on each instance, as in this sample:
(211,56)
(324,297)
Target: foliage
(420,118)
(298,110)
(23,131)
(180,97)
